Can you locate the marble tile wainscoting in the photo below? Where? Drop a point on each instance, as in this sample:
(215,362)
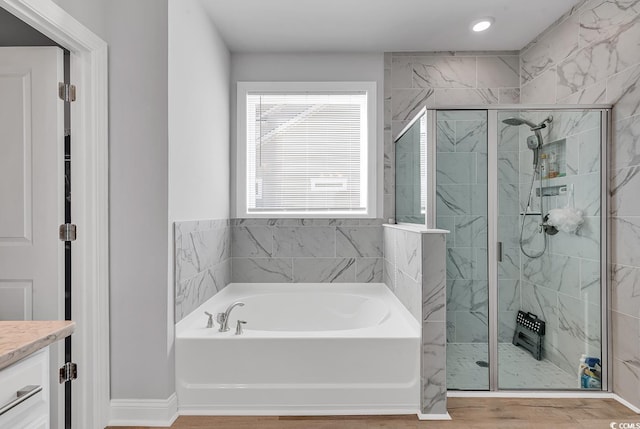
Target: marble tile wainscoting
(202,251)
(592,55)
(307,250)
(415,271)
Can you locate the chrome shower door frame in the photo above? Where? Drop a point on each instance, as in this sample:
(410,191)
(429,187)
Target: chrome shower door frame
(492,227)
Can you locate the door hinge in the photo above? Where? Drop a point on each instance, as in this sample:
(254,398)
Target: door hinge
(68,232)
(66,92)
(68,372)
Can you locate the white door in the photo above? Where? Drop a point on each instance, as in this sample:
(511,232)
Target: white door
(32,191)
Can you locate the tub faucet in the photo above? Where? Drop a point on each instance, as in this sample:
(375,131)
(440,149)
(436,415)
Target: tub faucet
(223,318)
(210,321)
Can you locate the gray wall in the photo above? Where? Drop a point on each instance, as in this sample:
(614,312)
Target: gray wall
(141,356)
(592,56)
(199,233)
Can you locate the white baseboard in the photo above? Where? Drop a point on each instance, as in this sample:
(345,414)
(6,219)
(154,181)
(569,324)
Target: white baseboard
(445,416)
(626,403)
(144,412)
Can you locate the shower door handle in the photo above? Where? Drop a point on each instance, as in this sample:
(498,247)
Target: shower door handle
(499,251)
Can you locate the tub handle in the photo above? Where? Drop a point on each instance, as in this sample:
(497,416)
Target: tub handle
(239,326)
(210,321)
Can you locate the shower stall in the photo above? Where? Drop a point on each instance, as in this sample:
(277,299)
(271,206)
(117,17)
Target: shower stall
(522,190)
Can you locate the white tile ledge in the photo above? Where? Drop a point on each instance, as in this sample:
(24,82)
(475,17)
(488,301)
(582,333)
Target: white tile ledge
(445,416)
(421,229)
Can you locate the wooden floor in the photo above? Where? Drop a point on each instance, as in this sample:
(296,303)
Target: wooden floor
(466,413)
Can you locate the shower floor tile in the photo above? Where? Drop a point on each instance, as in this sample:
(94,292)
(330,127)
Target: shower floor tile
(517,369)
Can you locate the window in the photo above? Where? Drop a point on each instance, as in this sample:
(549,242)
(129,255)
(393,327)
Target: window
(306,149)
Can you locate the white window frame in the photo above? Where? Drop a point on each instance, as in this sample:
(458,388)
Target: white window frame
(371,151)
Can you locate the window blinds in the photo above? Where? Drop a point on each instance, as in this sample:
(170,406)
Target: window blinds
(307,152)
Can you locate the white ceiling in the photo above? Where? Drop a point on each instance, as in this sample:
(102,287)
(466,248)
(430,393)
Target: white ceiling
(380,25)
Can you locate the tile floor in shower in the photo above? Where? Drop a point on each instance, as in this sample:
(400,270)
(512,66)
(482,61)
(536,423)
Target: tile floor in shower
(517,369)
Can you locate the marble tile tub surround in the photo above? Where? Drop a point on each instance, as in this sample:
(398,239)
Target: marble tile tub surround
(307,250)
(415,271)
(202,262)
(592,55)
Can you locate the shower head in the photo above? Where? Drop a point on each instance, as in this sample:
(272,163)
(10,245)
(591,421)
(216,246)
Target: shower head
(533,142)
(519,121)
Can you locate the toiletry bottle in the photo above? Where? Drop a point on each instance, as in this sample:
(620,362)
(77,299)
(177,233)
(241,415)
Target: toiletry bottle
(553,166)
(582,365)
(544,166)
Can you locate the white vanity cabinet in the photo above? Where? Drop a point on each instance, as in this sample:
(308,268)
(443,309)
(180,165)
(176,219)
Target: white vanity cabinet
(24,393)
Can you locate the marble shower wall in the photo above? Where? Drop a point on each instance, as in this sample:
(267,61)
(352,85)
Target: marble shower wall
(307,250)
(563,286)
(461,198)
(202,262)
(414,80)
(415,271)
(509,302)
(592,55)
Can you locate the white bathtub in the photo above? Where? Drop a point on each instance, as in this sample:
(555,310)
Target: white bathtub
(306,349)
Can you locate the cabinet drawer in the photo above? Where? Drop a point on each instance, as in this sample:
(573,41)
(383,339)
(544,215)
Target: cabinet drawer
(31,374)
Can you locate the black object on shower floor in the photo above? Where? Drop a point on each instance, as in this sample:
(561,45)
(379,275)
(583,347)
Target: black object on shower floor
(482,364)
(529,332)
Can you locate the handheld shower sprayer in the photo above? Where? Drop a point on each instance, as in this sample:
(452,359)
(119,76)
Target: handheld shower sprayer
(534,143)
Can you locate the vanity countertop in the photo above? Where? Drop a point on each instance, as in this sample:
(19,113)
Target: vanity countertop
(18,339)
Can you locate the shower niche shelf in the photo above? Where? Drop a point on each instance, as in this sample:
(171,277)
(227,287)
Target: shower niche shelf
(553,157)
(552,191)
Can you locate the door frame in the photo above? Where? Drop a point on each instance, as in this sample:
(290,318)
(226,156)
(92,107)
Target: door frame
(90,211)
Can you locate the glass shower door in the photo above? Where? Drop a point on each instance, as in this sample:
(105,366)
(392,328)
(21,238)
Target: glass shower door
(461,207)
(549,280)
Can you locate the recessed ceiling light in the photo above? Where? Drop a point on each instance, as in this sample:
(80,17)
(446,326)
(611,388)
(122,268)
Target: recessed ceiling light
(481,24)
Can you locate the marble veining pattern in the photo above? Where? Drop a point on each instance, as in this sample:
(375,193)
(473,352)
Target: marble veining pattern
(307,250)
(498,72)
(444,72)
(305,242)
(324,270)
(433,368)
(202,258)
(359,242)
(268,270)
(625,287)
(414,270)
(552,48)
(443,78)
